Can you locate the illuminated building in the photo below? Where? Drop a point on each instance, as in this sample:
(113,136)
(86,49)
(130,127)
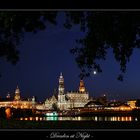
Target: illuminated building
(49,103)
(62,104)
(18,102)
(67,100)
(8,96)
(132,103)
(82,87)
(17,94)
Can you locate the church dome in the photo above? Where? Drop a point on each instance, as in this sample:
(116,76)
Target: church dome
(17,90)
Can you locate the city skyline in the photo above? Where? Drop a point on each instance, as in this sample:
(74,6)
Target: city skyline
(43,56)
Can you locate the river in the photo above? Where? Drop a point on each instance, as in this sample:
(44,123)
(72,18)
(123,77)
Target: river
(79,118)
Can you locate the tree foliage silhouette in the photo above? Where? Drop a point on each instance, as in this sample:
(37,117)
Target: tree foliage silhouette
(118,30)
(14,24)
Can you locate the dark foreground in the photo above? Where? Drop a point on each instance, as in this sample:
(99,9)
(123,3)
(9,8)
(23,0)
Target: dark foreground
(69,130)
(16,124)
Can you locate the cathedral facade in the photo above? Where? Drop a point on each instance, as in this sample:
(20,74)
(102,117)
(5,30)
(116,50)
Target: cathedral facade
(67,100)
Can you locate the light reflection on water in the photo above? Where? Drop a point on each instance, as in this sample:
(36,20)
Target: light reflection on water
(94,118)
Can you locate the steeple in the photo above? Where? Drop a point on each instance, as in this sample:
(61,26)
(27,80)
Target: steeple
(61,94)
(81,86)
(61,76)
(17,94)
(61,84)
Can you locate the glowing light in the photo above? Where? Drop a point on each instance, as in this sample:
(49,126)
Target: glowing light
(26,119)
(119,119)
(8,112)
(136,119)
(94,72)
(51,114)
(96,119)
(79,118)
(36,118)
(52,118)
(31,118)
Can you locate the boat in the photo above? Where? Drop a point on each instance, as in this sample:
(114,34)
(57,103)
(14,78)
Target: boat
(54,113)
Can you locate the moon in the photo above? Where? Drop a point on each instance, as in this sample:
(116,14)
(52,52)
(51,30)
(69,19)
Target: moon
(94,72)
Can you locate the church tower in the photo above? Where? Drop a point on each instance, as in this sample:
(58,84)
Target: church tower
(61,94)
(61,85)
(17,94)
(82,86)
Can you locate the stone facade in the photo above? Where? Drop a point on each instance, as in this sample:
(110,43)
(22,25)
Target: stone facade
(68,100)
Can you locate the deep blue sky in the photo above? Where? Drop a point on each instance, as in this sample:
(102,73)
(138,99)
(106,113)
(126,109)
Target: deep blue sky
(45,54)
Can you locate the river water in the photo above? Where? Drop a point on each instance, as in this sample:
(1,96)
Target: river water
(93,118)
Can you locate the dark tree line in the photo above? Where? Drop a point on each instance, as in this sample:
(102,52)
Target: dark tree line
(118,30)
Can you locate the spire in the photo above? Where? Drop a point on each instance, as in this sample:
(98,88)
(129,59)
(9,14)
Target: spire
(17,90)
(61,79)
(17,94)
(61,75)
(81,86)
(61,84)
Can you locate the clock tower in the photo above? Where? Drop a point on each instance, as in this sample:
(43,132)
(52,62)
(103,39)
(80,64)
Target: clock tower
(61,94)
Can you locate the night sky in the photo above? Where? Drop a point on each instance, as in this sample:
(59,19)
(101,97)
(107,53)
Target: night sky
(43,56)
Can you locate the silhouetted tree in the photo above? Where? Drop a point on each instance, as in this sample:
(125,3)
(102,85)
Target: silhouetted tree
(13,25)
(2,112)
(118,30)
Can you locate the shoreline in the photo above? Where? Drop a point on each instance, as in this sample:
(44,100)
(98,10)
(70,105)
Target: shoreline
(17,124)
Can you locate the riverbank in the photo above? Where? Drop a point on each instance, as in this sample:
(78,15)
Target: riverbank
(17,124)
